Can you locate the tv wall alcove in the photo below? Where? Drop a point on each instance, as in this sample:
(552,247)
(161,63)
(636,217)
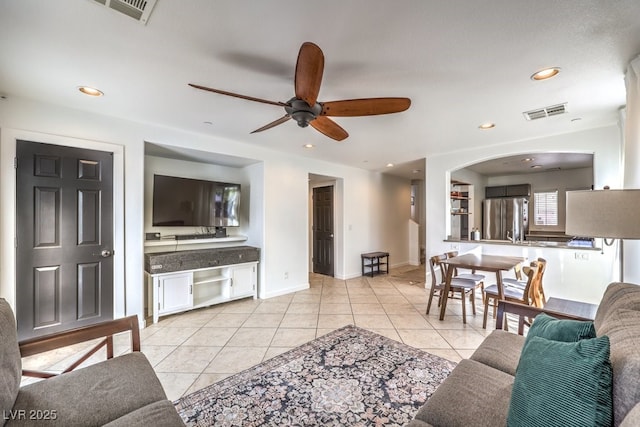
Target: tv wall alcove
(194,266)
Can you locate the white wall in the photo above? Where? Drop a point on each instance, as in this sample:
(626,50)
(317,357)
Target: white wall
(603,142)
(279,197)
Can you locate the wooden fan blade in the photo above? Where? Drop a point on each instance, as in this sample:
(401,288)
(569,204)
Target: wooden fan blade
(275,123)
(309,70)
(328,127)
(364,107)
(249,98)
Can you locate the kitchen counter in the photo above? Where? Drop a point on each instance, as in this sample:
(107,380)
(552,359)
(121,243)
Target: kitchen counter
(527,243)
(573,272)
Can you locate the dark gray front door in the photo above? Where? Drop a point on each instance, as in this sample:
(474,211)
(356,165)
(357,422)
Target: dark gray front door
(323,230)
(64,238)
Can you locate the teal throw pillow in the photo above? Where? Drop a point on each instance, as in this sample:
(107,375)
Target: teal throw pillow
(548,327)
(562,384)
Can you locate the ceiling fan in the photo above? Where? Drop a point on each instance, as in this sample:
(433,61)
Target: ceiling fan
(305,108)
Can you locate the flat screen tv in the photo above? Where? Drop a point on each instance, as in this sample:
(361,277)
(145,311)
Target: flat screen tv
(194,202)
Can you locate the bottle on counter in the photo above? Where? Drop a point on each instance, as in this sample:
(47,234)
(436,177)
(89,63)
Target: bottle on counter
(475,234)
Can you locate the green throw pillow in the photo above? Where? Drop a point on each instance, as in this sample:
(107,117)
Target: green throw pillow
(562,384)
(548,327)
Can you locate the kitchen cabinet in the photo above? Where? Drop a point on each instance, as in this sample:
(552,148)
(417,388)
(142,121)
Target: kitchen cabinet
(495,191)
(519,190)
(515,190)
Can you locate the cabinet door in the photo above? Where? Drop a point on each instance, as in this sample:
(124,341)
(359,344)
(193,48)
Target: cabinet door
(520,190)
(497,191)
(243,280)
(175,293)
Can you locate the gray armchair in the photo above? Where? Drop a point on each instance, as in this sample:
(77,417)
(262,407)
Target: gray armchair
(120,391)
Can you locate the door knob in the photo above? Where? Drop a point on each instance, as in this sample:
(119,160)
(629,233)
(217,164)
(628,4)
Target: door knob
(106,253)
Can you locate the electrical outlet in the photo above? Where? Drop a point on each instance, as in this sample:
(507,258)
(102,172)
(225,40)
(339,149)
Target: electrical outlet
(286,275)
(582,256)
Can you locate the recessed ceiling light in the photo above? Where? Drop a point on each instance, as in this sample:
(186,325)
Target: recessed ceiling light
(91,91)
(536,166)
(390,165)
(208,123)
(527,159)
(487,125)
(546,73)
(577,119)
(308,145)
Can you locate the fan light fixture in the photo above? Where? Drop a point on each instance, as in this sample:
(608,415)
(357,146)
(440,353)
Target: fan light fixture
(546,73)
(305,108)
(91,91)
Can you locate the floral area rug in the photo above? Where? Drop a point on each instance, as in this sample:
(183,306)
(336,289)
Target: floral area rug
(349,377)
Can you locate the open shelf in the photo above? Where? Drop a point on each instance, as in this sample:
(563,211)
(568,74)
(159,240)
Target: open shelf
(174,243)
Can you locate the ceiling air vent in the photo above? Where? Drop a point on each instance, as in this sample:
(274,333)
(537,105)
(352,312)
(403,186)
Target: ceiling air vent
(136,9)
(541,113)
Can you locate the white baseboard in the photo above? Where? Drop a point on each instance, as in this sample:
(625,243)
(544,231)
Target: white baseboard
(285,291)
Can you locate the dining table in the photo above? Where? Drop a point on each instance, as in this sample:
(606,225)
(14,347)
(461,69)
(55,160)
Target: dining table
(482,262)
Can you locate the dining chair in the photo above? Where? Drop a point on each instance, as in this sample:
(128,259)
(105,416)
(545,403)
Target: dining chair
(465,287)
(513,292)
(536,293)
(478,278)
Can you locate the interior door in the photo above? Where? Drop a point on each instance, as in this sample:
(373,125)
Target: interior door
(323,230)
(64,237)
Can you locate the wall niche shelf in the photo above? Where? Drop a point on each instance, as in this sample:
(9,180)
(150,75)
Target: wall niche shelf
(178,243)
(461,218)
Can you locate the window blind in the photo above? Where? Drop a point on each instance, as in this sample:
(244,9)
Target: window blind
(546,208)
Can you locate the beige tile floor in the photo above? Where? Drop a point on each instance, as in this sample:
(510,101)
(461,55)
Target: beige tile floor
(194,349)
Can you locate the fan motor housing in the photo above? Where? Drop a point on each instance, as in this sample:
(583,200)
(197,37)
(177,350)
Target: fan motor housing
(302,112)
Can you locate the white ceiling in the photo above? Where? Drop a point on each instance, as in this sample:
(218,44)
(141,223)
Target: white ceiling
(462,63)
(533,163)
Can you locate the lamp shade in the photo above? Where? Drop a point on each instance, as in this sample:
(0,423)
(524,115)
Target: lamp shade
(603,213)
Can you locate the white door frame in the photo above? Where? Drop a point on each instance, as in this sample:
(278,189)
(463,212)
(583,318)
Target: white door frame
(8,279)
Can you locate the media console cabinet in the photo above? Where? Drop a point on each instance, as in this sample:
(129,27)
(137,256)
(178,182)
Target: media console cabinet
(184,280)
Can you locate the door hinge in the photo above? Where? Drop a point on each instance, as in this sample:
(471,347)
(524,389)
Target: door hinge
(15,163)
(190,289)
(158,306)
(254,287)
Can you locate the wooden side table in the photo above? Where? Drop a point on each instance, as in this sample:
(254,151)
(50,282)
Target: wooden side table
(373,261)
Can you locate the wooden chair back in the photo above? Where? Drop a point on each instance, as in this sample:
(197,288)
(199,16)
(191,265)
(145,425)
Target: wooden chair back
(437,269)
(536,291)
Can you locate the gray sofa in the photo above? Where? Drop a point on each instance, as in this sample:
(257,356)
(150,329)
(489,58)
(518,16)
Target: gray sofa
(478,391)
(120,391)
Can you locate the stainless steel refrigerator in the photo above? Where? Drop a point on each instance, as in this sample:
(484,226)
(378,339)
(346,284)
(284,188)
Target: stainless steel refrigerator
(505,218)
